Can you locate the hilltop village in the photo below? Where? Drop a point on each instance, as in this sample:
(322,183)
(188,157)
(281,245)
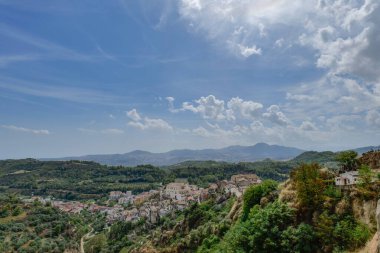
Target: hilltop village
(155,204)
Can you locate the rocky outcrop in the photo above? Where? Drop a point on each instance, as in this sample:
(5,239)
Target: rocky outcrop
(365,211)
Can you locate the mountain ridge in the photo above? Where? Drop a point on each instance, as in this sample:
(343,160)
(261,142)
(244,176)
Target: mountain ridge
(235,153)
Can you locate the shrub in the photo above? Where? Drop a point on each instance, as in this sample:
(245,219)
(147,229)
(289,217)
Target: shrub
(253,195)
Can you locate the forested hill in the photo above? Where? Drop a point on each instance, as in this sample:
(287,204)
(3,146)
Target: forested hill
(85,179)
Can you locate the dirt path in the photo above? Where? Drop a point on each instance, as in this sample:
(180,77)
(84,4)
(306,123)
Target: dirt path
(371,246)
(86,236)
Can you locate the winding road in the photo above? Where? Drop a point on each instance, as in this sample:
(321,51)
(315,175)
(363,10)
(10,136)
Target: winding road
(86,236)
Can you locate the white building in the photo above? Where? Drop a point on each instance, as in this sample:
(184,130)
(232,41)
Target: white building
(125,200)
(347,178)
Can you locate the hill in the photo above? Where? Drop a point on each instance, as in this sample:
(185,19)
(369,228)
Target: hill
(366,149)
(253,153)
(314,156)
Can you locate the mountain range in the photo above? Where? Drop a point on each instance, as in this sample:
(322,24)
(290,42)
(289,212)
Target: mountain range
(253,153)
(256,152)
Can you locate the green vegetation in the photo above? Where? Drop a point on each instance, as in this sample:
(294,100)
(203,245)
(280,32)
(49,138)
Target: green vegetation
(317,215)
(347,160)
(316,157)
(37,228)
(75,180)
(269,229)
(253,196)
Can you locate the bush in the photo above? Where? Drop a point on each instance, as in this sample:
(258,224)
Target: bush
(253,195)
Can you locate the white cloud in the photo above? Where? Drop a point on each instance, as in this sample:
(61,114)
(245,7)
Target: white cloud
(249,51)
(26,130)
(210,107)
(373,118)
(345,34)
(201,131)
(276,116)
(245,109)
(332,96)
(171,104)
(299,97)
(240,25)
(57,91)
(5,60)
(308,126)
(279,43)
(51,49)
(110,131)
(147,123)
(134,115)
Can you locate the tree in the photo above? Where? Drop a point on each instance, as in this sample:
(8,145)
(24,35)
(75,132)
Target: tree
(347,160)
(299,239)
(309,186)
(265,230)
(365,175)
(253,195)
(324,227)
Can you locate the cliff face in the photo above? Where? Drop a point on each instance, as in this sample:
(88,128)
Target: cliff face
(372,246)
(365,211)
(378,225)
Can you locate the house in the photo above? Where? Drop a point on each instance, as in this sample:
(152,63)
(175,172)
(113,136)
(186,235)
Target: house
(115,195)
(347,178)
(243,180)
(125,200)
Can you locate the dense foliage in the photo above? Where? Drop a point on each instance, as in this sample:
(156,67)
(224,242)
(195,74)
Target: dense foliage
(317,215)
(37,228)
(88,180)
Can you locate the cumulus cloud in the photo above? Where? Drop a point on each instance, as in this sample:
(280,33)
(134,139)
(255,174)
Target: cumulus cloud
(274,114)
(241,26)
(245,109)
(147,123)
(346,37)
(26,130)
(333,96)
(345,34)
(210,107)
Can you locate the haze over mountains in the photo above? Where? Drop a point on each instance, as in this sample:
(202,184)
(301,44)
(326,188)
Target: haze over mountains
(253,153)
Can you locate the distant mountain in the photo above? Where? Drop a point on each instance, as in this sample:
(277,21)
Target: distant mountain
(366,149)
(257,152)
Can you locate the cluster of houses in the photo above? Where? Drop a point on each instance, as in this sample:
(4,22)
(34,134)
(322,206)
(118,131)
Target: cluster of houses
(154,204)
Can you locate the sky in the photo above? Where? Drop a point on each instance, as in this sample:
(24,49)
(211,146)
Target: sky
(100,77)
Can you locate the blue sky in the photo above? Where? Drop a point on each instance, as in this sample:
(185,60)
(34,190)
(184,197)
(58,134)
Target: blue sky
(87,77)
